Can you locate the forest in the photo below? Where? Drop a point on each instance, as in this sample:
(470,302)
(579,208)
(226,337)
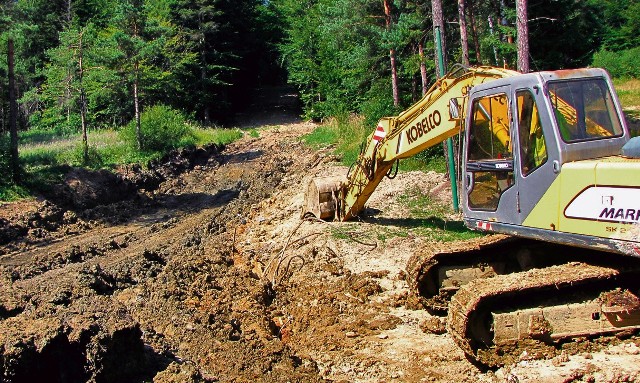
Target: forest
(72,66)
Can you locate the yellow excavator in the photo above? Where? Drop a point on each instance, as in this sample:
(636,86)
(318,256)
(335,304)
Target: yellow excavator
(546,159)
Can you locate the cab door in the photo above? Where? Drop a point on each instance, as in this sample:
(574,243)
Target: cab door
(490,190)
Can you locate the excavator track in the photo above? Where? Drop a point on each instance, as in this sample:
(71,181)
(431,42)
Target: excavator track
(495,320)
(436,274)
(427,272)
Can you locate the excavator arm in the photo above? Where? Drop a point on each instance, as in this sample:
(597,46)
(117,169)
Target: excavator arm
(433,119)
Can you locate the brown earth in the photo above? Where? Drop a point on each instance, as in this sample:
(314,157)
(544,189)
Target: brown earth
(201,270)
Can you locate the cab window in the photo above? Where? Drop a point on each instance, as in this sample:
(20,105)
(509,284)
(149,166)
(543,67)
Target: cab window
(490,158)
(533,147)
(584,109)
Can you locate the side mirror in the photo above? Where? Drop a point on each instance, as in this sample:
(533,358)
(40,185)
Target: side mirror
(454,109)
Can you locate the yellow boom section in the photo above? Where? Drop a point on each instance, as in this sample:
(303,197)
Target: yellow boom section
(423,125)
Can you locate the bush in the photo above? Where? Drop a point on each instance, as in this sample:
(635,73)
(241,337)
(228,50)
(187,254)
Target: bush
(5,156)
(623,63)
(76,156)
(161,129)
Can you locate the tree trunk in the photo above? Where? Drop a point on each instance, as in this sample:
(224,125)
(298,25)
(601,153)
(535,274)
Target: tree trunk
(438,21)
(464,39)
(392,56)
(394,78)
(83,103)
(136,84)
(495,50)
(474,30)
(13,114)
(136,105)
(423,67)
(69,17)
(523,36)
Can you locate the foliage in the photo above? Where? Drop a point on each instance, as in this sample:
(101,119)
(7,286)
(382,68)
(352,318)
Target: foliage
(337,51)
(46,158)
(347,134)
(564,34)
(622,24)
(161,128)
(622,64)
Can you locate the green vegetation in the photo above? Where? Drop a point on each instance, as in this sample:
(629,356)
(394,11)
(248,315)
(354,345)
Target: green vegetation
(629,93)
(89,65)
(161,129)
(433,219)
(428,218)
(45,157)
(620,64)
(347,134)
(337,51)
(110,148)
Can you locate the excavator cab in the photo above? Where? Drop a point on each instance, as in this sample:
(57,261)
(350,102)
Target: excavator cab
(531,143)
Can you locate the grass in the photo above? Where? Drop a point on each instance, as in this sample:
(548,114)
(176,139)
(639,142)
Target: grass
(13,193)
(629,93)
(109,147)
(428,218)
(46,156)
(433,219)
(344,133)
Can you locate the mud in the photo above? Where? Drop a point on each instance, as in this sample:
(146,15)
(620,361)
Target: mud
(203,272)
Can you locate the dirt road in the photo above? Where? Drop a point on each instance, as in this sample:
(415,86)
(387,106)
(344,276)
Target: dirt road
(201,270)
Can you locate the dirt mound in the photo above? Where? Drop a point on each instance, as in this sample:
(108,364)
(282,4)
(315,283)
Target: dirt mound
(74,346)
(83,188)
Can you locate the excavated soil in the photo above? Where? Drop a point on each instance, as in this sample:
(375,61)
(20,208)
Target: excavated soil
(200,269)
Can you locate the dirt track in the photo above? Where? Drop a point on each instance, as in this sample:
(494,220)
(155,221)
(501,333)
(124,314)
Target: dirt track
(205,272)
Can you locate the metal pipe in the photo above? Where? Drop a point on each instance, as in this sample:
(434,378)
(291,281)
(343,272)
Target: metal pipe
(452,161)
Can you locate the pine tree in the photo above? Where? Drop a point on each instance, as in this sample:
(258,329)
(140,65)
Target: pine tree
(523,36)
(464,39)
(13,114)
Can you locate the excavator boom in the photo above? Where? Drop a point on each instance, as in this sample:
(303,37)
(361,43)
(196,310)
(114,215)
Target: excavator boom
(433,119)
